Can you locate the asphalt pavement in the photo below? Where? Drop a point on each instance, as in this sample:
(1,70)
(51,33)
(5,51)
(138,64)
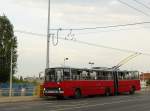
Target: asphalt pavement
(136,102)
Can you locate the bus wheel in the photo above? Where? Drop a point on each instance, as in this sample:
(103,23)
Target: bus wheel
(77,93)
(132,90)
(107,92)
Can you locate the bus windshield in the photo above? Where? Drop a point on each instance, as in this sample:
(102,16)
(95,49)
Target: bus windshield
(50,75)
(54,75)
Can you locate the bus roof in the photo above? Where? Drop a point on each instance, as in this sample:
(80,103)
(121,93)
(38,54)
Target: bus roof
(93,69)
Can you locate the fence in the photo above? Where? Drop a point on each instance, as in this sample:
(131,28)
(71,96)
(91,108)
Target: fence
(19,89)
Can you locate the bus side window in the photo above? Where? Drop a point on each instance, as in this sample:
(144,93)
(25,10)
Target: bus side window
(135,75)
(122,75)
(104,77)
(130,75)
(74,74)
(127,76)
(84,75)
(93,75)
(98,76)
(119,76)
(109,75)
(101,76)
(79,75)
(59,75)
(66,74)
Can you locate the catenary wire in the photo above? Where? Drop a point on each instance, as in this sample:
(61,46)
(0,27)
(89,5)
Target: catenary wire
(142,4)
(86,43)
(134,8)
(104,27)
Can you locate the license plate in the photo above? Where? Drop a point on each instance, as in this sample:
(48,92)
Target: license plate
(52,92)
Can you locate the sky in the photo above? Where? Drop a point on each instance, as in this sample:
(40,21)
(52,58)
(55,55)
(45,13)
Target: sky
(31,16)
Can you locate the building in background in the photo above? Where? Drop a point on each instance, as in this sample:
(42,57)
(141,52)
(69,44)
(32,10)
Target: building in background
(34,79)
(144,77)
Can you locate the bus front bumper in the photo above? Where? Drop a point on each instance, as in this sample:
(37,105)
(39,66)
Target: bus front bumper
(53,92)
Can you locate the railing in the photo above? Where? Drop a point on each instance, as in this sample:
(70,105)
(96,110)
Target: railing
(19,92)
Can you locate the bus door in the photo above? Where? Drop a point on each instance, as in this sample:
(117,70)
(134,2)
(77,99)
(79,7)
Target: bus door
(115,77)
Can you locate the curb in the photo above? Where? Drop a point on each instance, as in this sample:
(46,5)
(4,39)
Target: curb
(19,99)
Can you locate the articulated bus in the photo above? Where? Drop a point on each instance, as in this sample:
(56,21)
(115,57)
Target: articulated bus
(77,82)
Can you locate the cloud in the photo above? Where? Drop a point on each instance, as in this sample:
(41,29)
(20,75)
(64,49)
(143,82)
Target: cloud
(31,15)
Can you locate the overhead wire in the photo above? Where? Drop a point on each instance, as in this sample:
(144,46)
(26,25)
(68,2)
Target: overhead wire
(106,31)
(86,43)
(130,6)
(142,4)
(104,27)
(38,34)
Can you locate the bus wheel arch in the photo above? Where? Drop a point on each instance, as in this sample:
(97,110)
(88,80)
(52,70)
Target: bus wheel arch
(77,93)
(107,91)
(132,90)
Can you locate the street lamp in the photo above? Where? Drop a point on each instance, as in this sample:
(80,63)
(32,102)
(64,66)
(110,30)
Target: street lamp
(65,60)
(91,63)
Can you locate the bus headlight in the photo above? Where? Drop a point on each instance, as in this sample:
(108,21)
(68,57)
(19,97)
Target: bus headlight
(59,89)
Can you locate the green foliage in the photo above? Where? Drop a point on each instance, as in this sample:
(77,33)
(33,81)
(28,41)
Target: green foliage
(148,82)
(16,80)
(21,80)
(7,42)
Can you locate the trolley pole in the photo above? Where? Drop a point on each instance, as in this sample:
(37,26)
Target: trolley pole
(48,36)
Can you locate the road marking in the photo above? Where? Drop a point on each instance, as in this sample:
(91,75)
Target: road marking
(93,105)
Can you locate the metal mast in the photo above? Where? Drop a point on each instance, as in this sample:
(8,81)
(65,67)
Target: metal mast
(48,36)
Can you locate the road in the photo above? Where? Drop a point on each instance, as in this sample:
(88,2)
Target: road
(136,102)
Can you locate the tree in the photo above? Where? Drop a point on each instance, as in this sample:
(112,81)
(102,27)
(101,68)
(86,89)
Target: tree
(148,82)
(7,42)
(21,78)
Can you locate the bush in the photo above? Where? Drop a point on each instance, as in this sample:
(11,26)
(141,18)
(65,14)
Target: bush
(148,82)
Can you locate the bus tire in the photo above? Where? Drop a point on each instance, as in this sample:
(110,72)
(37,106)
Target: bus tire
(107,92)
(77,94)
(132,90)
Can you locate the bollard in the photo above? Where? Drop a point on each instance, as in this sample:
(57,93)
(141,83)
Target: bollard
(41,91)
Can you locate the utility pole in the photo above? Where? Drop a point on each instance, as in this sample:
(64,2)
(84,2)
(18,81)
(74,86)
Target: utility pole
(48,36)
(10,86)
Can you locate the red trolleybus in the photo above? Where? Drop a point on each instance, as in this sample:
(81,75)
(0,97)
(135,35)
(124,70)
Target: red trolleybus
(75,82)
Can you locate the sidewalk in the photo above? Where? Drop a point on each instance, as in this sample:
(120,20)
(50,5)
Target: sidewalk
(19,99)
